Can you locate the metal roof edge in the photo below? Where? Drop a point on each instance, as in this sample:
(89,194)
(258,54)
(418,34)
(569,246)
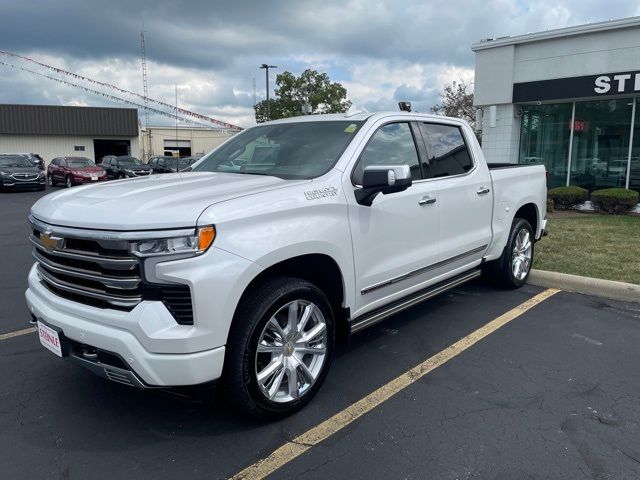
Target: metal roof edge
(557,33)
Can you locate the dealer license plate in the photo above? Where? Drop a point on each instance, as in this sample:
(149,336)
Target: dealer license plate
(49,339)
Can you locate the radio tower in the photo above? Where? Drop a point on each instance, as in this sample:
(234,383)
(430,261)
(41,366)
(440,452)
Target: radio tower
(146,96)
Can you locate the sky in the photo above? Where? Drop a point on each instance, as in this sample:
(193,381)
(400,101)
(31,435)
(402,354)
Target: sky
(381,51)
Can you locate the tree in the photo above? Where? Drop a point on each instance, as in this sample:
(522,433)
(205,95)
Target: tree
(311,91)
(457,102)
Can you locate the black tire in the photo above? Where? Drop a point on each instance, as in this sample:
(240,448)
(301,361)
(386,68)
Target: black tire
(121,176)
(241,362)
(68,181)
(52,182)
(501,271)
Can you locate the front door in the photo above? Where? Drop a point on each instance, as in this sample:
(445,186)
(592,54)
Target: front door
(395,240)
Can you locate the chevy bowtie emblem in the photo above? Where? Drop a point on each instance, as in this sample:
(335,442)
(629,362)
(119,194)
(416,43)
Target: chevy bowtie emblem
(50,242)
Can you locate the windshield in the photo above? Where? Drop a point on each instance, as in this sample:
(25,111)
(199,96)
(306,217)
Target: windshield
(129,161)
(287,150)
(15,162)
(80,162)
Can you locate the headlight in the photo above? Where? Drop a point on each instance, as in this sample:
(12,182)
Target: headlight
(129,171)
(41,175)
(5,174)
(195,244)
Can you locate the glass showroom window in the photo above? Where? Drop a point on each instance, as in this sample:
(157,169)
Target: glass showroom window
(544,139)
(634,176)
(601,131)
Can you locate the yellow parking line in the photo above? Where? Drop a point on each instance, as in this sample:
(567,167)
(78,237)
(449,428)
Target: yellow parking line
(296,447)
(17,333)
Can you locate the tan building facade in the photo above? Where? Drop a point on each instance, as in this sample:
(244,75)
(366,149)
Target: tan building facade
(187,141)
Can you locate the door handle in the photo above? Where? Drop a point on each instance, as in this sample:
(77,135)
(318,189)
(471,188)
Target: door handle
(427,200)
(483,191)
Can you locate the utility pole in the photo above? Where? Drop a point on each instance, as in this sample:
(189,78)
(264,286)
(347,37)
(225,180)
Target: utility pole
(146,96)
(266,73)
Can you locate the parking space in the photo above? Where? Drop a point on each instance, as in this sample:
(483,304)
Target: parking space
(552,394)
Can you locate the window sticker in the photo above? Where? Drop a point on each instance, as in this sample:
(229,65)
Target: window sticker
(351,128)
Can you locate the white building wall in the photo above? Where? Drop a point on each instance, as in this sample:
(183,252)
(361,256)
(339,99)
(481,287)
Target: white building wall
(498,141)
(203,140)
(52,146)
(588,54)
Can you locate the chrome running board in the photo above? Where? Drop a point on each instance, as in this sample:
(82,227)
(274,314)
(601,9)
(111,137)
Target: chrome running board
(380,314)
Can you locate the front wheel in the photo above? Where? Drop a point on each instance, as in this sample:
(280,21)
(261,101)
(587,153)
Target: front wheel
(51,181)
(280,347)
(69,182)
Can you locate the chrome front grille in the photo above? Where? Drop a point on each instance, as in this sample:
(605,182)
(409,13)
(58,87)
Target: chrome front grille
(108,279)
(25,176)
(102,273)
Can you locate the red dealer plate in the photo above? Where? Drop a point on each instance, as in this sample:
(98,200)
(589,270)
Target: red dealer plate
(50,339)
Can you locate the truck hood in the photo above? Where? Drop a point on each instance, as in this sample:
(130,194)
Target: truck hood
(149,203)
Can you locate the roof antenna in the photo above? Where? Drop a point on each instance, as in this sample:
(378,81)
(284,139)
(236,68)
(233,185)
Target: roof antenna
(404,106)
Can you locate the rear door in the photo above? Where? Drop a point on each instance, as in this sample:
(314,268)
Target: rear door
(464,194)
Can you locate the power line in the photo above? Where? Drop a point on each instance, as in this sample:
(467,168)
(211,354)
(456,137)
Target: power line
(103,94)
(182,111)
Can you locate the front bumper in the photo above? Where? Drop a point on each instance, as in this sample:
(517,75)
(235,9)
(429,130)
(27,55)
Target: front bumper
(24,184)
(94,327)
(87,180)
(158,350)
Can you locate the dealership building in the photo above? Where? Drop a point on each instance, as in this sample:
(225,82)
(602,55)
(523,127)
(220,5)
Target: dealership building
(566,98)
(54,130)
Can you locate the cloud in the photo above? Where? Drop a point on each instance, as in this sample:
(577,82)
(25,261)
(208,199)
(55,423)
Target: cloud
(382,51)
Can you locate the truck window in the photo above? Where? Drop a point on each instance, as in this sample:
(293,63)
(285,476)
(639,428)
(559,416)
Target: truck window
(446,150)
(290,150)
(392,144)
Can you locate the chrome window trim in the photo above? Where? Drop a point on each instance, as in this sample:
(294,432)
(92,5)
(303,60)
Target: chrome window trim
(84,234)
(421,270)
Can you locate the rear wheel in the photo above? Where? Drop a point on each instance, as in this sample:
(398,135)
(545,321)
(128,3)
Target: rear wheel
(512,269)
(280,347)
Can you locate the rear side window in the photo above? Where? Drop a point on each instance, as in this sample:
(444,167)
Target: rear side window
(392,144)
(55,161)
(446,150)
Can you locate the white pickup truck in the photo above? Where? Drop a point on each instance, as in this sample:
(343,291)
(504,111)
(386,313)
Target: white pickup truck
(291,235)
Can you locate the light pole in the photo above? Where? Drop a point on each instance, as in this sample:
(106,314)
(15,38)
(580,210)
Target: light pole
(266,74)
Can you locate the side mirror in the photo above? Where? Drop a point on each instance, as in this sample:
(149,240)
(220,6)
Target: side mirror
(382,179)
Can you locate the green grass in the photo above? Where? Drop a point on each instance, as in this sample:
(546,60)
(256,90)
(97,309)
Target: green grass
(599,246)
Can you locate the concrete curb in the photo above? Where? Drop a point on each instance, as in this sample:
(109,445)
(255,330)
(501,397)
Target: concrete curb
(597,287)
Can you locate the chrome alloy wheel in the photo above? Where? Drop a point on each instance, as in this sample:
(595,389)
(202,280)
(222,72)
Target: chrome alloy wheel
(291,351)
(521,255)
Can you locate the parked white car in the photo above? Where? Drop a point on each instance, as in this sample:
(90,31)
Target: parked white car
(290,235)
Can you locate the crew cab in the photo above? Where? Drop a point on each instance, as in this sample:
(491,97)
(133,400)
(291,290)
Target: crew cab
(289,236)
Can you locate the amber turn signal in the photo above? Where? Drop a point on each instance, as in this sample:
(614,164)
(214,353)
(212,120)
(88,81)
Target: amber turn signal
(206,235)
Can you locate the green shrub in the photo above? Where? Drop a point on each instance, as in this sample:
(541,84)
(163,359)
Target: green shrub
(549,205)
(567,197)
(614,200)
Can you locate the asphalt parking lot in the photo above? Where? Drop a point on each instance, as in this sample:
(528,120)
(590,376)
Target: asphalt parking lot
(552,394)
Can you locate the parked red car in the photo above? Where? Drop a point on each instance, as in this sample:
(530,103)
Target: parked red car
(74,171)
